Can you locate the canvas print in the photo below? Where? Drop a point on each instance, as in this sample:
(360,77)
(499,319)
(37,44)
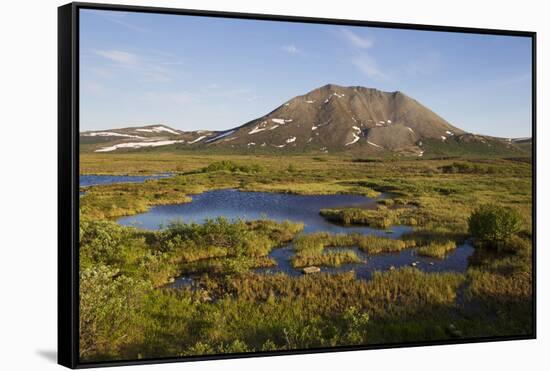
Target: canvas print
(252,186)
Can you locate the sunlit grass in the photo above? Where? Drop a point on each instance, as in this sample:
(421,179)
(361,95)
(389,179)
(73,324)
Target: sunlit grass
(128,312)
(437,249)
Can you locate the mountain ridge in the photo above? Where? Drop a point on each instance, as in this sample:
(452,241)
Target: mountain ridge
(330,118)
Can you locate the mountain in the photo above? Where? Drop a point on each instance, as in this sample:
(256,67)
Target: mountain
(138,137)
(329,119)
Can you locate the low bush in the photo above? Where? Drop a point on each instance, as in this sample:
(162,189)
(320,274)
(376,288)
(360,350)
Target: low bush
(231,167)
(467,168)
(493,225)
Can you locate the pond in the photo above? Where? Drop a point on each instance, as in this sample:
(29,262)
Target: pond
(233,205)
(455,261)
(91,180)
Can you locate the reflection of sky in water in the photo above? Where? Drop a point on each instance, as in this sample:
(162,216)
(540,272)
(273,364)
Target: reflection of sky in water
(90,180)
(234,205)
(456,261)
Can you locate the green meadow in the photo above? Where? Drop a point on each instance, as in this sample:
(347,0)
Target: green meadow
(128,310)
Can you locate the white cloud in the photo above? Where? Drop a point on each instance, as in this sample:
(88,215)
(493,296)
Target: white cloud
(146,68)
(362,42)
(368,66)
(118,56)
(119,18)
(129,25)
(364,61)
(291,49)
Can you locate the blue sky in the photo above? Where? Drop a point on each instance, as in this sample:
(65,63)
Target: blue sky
(212,73)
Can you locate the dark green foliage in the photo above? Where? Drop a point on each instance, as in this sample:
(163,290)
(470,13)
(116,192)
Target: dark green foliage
(231,166)
(467,168)
(494,225)
(109,303)
(366,160)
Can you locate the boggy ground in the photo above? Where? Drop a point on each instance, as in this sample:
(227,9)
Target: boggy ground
(128,312)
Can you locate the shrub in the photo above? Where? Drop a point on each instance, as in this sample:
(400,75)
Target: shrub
(231,167)
(355,326)
(494,225)
(108,302)
(466,168)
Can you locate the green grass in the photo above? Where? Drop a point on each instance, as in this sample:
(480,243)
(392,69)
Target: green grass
(127,312)
(329,259)
(314,248)
(437,249)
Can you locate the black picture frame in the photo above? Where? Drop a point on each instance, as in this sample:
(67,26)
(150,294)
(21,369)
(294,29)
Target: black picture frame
(68,176)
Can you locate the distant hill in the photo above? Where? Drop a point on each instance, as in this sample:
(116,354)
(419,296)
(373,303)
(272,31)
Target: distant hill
(523,143)
(329,119)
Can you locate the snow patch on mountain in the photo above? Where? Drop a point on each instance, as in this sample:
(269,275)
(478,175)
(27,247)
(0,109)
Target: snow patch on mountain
(355,139)
(198,139)
(257,129)
(111,134)
(134,145)
(158,129)
(281,121)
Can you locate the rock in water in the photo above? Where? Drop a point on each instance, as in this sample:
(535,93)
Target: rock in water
(310,270)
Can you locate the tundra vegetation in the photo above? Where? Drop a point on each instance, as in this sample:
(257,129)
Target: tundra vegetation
(128,310)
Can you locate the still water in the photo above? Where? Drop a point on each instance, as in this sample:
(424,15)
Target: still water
(233,205)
